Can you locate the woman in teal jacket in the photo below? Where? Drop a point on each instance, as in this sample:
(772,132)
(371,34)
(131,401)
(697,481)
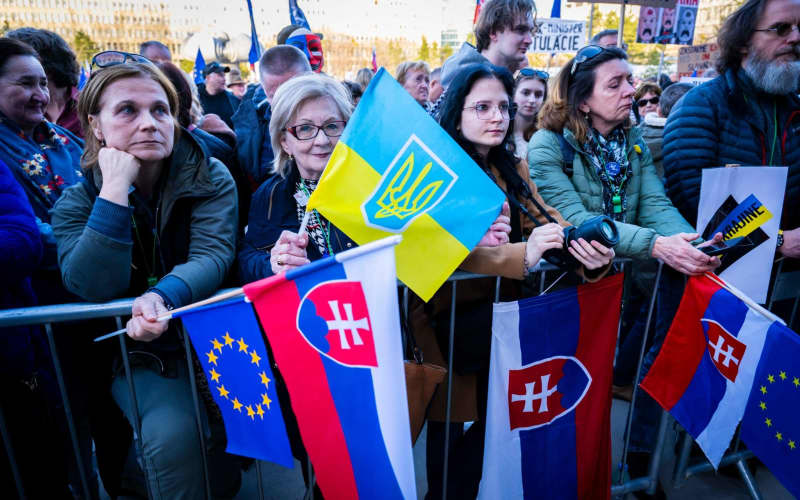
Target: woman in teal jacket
(611,172)
(587,160)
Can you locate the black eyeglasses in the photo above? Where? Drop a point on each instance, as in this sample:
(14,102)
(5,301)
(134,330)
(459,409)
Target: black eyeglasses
(644,102)
(544,75)
(782,29)
(583,55)
(308,131)
(110,58)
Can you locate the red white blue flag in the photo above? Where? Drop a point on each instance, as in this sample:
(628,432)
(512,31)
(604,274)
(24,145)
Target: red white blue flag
(704,373)
(549,408)
(334,329)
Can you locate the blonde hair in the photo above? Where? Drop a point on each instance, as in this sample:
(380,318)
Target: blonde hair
(89,102)
(405,67)
(289,97)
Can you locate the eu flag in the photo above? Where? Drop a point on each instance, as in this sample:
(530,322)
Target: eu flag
(199,66)
(229,345)
(296,15)
(255,48)
(769,427)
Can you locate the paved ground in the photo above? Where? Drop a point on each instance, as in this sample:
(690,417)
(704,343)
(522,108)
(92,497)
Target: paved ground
(284,484)
(280,483)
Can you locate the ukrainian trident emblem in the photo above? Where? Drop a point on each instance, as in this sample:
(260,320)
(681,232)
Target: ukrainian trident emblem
(415,182)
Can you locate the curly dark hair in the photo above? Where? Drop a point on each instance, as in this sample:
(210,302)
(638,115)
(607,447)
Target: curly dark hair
(450,119)
(58,59)
(735,34)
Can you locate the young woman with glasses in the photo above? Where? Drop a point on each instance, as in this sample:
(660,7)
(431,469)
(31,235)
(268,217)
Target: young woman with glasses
(530,92)
(477,111)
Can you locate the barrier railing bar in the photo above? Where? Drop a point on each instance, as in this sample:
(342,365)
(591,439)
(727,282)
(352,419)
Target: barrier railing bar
(705,466)
(449,390)
(198,416)
(681,465)
(11,457)
(311,480)
(655,460)
(260,481)
(749,480)
(62,387)
(137,423)
(772,292)
(647,327)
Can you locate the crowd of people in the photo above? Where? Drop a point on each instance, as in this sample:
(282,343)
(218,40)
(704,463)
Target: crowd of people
(144,184)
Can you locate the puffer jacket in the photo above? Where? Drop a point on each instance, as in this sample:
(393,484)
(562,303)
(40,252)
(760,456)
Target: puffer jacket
(251,124)
(726,121)
(650,213)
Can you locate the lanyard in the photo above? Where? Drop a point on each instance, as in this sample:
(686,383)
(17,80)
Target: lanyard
(613,171)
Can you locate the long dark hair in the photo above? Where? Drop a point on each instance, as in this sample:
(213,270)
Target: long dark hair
(450,119)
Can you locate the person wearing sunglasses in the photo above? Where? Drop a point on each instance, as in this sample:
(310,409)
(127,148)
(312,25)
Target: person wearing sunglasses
(646,99)
(478,113)
(153,218)
(748,115)
(530,91)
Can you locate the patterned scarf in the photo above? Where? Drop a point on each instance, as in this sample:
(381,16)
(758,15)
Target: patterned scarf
(610,161)
(318,228)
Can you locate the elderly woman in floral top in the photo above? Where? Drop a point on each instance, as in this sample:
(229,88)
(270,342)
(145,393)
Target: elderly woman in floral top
(44,157)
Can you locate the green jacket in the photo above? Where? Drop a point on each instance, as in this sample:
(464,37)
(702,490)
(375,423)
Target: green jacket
(650,213)
(196,223)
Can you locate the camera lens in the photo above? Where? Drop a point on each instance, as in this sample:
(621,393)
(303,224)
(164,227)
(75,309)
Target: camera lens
(608,231)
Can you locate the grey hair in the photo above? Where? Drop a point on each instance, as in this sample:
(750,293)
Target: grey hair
(289,97)
(282,59)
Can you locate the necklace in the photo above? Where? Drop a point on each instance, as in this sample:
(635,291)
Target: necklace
(152,279)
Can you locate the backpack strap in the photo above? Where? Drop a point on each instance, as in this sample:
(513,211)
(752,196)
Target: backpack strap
(567,155)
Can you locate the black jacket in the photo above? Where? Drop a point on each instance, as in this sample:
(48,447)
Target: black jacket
(272,211)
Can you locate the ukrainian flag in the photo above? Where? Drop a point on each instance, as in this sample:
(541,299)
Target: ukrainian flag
(395,171)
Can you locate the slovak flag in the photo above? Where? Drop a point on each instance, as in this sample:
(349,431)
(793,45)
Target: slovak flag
(334,329)
(549,407)
(374,61)
(478,5)
(704,372)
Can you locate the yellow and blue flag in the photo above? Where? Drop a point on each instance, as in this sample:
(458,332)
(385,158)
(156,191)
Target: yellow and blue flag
(230,347)
(748,216)
(396,171)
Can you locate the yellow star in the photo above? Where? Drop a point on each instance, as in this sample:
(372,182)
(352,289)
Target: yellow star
(214,375)
(768,422)
(217,345)
(779,436)
(763,389)
(796,382)
(237,405)
(212,358)
(228,340)
(242,345)
(791,444)
(783,375)
(763,405)
(254,358)
(260,412)
(222,391)
(265,400)
(250,412)
(264,379)
(771,378)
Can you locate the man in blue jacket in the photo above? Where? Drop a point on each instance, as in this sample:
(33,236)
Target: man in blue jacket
(251,120)
(749,115)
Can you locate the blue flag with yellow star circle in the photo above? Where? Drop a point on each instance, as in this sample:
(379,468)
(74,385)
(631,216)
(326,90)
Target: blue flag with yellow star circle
(230,347)
(770,427)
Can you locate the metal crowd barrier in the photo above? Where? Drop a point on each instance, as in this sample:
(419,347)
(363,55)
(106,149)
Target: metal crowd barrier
(48,315)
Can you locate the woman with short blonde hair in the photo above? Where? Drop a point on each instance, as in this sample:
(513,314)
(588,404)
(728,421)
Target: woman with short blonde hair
(415,77)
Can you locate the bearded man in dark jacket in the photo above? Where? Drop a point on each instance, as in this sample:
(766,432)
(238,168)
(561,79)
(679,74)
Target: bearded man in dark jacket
(749,115)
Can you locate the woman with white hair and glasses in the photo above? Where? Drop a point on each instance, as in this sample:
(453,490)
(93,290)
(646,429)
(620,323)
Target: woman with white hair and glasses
(153,218)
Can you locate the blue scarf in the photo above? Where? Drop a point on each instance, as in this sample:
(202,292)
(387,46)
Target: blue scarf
(610,161)
(45,164)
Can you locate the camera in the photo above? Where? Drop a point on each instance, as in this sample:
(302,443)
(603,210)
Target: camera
(600,228)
